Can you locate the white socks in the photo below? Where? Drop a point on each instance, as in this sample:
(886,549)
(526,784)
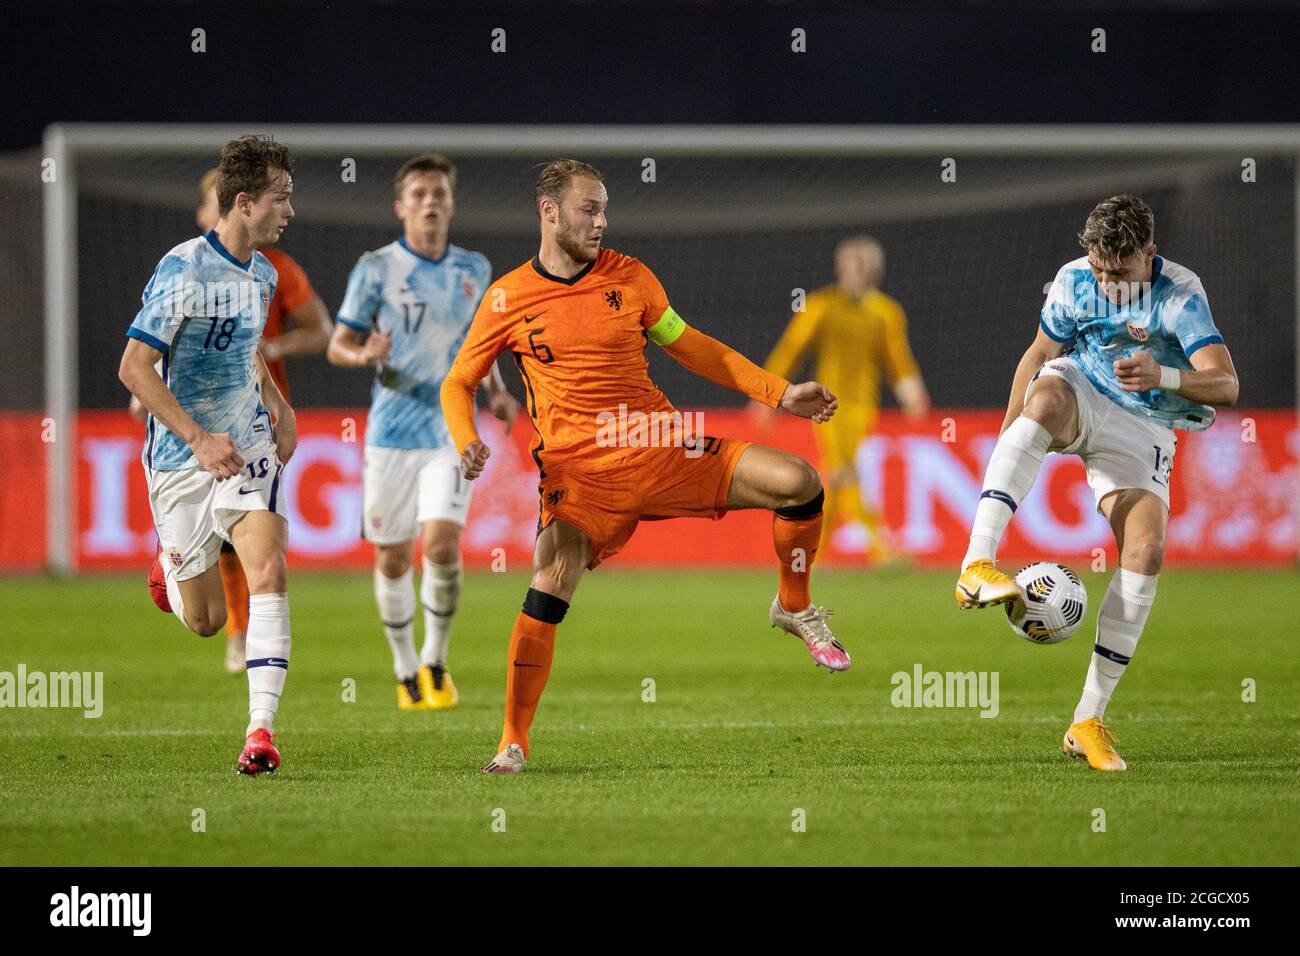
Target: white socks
(1123,614)
(266,657)
(439,592)
(396,600)
(1011,472)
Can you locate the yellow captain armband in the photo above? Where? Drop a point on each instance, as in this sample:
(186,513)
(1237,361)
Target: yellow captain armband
(668,329)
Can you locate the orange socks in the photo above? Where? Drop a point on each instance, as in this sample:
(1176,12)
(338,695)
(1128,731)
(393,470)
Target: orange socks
(532,643)
(796,532)
(232,576)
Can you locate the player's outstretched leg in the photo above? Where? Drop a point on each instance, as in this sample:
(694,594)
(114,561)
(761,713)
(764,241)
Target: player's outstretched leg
(561,555)
(1139,519)
(261,539)
(197,602)
(1050,412)
(792,490)
(235,586)
(439,594)
(395,598)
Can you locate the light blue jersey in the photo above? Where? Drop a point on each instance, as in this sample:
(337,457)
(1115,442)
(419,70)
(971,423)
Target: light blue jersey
(427,305)
(1171,320)
(205,310)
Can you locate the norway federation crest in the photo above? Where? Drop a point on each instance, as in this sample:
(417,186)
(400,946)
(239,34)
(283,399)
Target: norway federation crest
(1138,332)
(175,558)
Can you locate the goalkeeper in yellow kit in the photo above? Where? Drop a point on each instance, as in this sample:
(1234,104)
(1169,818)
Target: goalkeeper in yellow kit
(856,333)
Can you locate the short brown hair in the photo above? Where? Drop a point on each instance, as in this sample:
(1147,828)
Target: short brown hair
(424,163)
(1119,228)
(556,175)
(245,167)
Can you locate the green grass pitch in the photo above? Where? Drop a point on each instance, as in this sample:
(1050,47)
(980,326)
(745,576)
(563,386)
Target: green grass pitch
(743,733)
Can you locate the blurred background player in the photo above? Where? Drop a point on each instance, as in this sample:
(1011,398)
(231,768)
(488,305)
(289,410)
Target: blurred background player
(577,319)
(856,334)
(297,324)
(219,431)
(406,312)
(1126,352)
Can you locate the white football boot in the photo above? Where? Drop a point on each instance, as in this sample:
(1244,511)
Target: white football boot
(510,760)
(809,625)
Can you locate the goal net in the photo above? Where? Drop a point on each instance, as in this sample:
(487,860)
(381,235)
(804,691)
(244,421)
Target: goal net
(735,222)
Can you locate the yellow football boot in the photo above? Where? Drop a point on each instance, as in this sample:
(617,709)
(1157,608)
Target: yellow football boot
(437,687)
(982,585)
(1093,740)
(409,696)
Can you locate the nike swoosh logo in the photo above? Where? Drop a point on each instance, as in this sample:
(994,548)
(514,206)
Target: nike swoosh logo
(249,491)
(973,595)
(527,319)
(518,664)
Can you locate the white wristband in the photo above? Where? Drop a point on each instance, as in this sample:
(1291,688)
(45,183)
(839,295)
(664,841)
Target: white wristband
(1170,378)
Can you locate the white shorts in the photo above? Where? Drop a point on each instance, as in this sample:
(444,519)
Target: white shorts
(1119,448)
(405,487)
(193,512)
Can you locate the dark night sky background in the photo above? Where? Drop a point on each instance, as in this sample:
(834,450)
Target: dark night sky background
(639,63)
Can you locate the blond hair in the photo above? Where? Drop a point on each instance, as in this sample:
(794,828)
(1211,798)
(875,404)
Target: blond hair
(556,175)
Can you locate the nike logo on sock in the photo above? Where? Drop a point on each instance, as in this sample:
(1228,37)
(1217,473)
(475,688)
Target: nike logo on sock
(521,664)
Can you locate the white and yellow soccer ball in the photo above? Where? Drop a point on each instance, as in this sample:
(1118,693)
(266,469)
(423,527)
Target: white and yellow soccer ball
(1053,604)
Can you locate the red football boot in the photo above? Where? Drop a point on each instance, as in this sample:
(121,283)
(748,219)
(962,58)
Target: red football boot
(158,585)
(260,755)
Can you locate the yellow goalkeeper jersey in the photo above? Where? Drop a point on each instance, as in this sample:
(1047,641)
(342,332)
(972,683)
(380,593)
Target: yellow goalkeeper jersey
(854,341)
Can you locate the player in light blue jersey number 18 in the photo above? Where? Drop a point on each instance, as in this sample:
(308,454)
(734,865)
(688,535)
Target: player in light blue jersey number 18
(1126,352)
(219,431)
(407,310)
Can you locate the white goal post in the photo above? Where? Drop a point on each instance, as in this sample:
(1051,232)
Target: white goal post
(65,144)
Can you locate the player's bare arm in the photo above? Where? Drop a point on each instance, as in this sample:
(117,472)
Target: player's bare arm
(285,427)
(1042,350)
(216,454)
(1212,381)
(912,396)
(347,350)
(308,332)
(500,402)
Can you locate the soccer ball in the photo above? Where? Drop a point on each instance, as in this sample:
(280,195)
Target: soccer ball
(1053,605)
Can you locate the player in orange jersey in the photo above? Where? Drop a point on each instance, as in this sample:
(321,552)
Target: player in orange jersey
(297,324)
(611,450)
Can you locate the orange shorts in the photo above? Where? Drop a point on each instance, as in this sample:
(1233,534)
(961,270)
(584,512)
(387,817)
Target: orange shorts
(606,500)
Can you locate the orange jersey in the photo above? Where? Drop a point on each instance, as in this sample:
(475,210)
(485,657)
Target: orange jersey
(292,289)
(580,346)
